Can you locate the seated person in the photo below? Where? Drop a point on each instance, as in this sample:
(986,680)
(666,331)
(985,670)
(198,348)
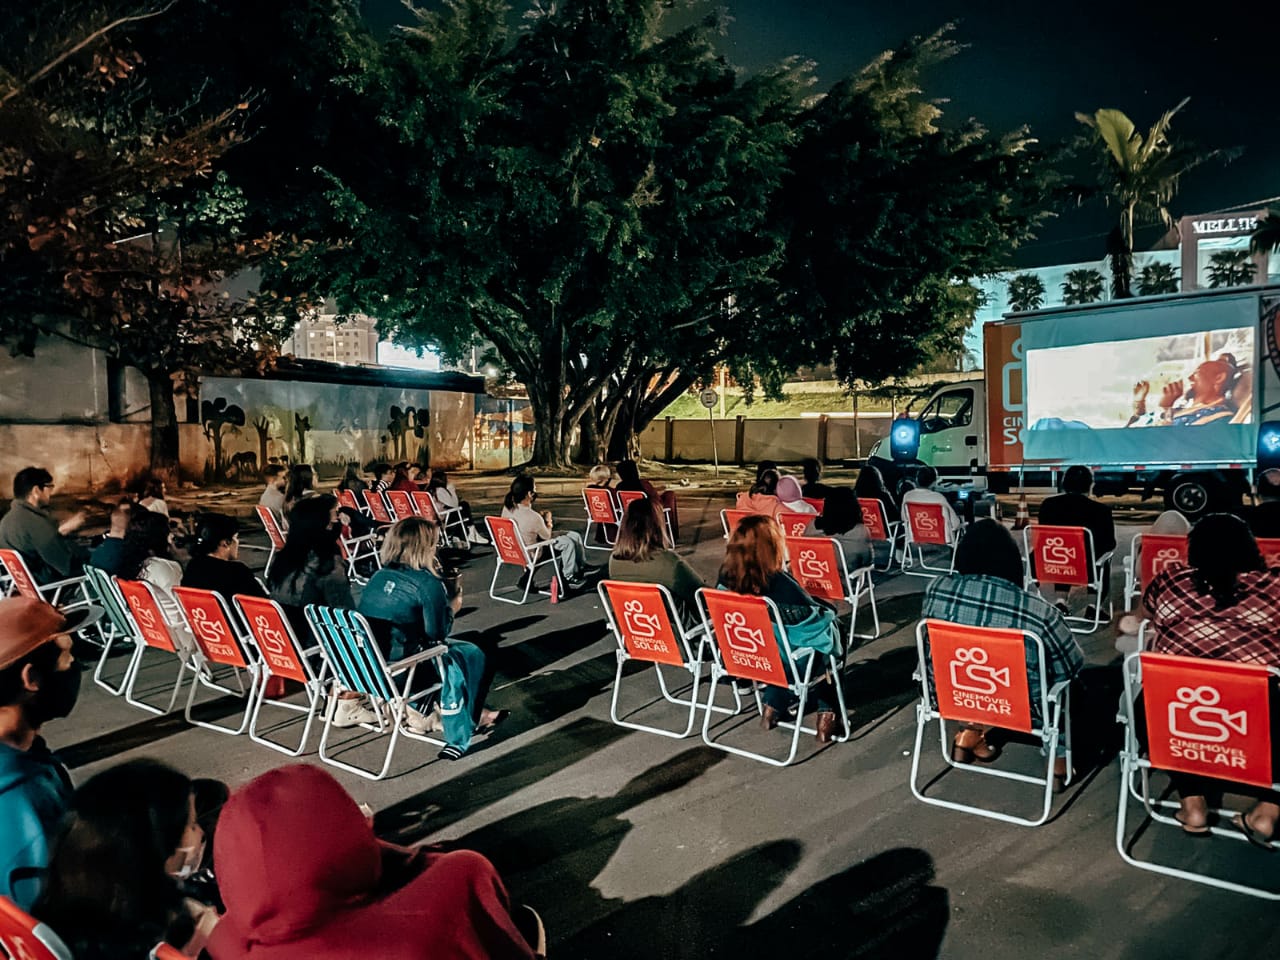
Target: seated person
(870,486)
(277,478)
(1264,517)
(148,555)
(986,591)
(762,497)
(334,891)
(571,553)
(1075,508)
(813,487)
(152,498)
(106,556)
(215,560)
(446,494)
(641,556)
(600,477)
(301,484)
(352,481)
(924,493)
(28,528)
(790,498)
(629,479)
(1224,605)
(115,884)
(402,481)
(841,520)
(409,595)
(384,475)
(1169,523)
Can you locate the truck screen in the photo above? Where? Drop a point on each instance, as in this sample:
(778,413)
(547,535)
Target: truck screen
(1171,399)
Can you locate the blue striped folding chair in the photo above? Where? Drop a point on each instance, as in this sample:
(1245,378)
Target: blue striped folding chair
(357,664)
(115,626)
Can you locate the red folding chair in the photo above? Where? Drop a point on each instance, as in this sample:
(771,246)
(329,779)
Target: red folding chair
(644,621)
(23,937)
(817,503)
(794,524)
(602,510)
(1206,717)
(511,550)
(627,496)
(425,505)
(1064,556)
(879,529)
(275,535)
(347,500)
(281,656)
(1150,554)
(220,642)
(926,525)
(151,627)
(980,676)
(378,511)
(1269,547)
(14,565)
(730,519)
(821,567)
(401,505)
(753,645)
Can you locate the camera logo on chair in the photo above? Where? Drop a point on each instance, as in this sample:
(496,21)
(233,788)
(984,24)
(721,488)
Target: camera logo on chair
(924,522)
(971,672)
(1164,559)
(746,643)
(1196,715)
(811,568)
(643,630)
(507,542)
(1056,551)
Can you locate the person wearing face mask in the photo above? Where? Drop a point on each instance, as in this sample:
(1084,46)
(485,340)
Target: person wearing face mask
(215,559)
(39,681)
(115,885)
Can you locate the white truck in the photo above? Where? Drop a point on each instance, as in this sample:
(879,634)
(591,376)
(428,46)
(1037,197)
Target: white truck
(1166,395)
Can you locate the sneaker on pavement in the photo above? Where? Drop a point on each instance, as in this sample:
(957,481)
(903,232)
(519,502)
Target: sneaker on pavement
(422,723)
(351,713)
(475,536)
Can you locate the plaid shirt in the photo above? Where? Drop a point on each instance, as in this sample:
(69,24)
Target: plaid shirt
(981,601)
(1187,624)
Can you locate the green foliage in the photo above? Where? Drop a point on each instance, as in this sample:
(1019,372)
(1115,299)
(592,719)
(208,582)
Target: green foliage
(1026,292)
(1157,278)
(1082,286)
(1231,268)
(1266,235)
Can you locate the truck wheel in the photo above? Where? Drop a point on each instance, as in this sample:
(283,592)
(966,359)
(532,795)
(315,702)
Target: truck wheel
(1193,495)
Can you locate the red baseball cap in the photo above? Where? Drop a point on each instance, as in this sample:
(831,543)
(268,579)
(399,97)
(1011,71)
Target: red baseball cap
(26,623)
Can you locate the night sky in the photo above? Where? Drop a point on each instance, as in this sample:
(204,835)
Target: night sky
(1036,63)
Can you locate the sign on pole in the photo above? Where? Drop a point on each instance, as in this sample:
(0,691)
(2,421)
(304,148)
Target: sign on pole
(709,398)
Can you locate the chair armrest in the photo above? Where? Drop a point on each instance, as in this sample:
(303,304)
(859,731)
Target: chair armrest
(1104,558)
(58,584)
(422,656)
(1056,690)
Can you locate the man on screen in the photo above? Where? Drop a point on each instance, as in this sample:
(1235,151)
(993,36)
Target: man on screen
(1206,400)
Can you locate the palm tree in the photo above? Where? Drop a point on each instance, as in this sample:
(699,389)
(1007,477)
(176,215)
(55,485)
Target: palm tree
(1231,268)
(1026,292)
(1266,235)
(1139,174)
(1082,286)
(1157,278)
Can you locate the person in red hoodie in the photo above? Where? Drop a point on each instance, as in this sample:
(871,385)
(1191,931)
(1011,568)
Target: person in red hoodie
(320,886)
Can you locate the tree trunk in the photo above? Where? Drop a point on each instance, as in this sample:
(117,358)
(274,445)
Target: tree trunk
(164,427)
(589,447)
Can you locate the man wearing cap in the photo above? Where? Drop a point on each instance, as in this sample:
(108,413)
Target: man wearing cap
(39,681)
(28,528)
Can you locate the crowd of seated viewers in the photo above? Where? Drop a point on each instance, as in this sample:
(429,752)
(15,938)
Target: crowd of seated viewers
(141,853)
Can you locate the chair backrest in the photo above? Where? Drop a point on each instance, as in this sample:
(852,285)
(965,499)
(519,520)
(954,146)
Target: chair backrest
(874,518)
(794,524)
(979,674)
(401,504)
(210,622)
(640,615)
(15,565)
(272,526)
(1270,549)
(732,518)
(377,507)
(145,608)
(600,508)
(1208,717)
(271,631)
(104,591)
(817,503)
(743,627)
(927,523)
(818,563)
(1060,554)
(23,937)
(425,505)
(347,499)
(352,650)
(1157,552)
(506,541)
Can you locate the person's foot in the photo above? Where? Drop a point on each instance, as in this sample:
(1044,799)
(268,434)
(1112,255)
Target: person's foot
(490,719)
(475,536)
(768,718)
(826,726)
(352,713)
(1259,824)
(1062,607)
(970,745)
(1193,814)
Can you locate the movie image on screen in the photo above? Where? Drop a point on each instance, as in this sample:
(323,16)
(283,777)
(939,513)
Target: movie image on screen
(1171,398)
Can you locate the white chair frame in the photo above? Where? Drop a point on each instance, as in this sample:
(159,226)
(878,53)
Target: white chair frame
(1097,571)
(894,531)
(929,570)
(617,516)
(1055,707)
(534,558)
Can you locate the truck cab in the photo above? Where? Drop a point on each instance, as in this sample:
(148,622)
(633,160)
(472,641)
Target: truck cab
(953,427)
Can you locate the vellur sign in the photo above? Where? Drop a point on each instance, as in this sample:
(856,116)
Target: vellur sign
(1227,225)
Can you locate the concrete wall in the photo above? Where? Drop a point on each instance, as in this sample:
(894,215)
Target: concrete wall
(787,440)
(82,457)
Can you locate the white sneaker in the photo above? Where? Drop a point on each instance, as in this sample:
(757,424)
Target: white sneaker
(475,536)
(350,713)
(423,723)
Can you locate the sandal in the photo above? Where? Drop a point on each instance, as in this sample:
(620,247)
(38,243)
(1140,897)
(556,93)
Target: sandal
(976,748)
(499,716)
(1192,830)
(1251,833)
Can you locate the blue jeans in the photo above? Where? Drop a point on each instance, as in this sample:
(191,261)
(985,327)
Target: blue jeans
(782,699)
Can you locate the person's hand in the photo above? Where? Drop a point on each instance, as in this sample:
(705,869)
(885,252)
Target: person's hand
(456,603)
(72,523)
(1172,391)
(546,515)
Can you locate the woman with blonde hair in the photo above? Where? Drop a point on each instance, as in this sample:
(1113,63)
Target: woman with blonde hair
(753,564)
(409,597)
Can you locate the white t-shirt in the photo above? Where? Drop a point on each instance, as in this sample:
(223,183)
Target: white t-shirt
(529,522)
(446,496)
(924,495)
